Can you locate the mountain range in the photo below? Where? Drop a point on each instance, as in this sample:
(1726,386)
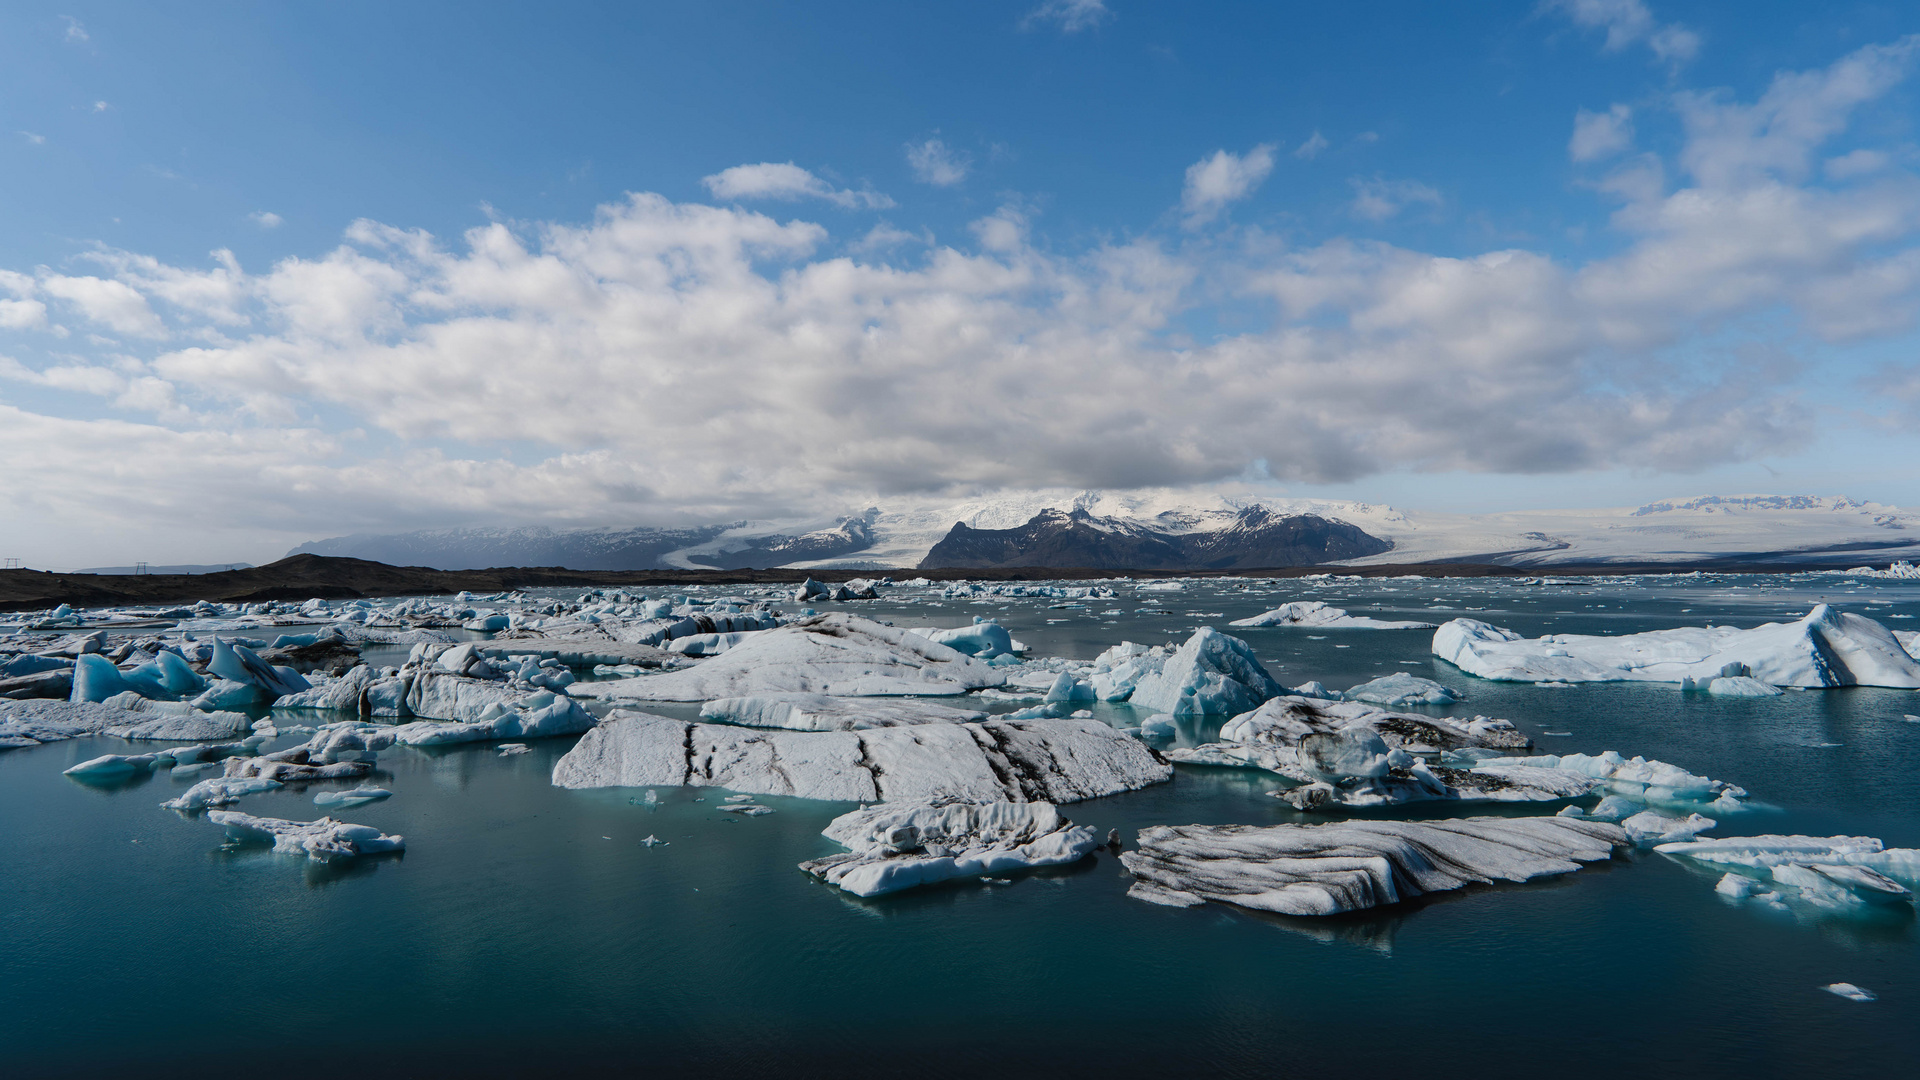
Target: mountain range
(1173,530)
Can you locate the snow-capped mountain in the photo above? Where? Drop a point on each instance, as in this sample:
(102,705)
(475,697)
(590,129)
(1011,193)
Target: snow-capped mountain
(1177,529)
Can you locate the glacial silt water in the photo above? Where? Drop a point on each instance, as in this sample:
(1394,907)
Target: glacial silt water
(527,929)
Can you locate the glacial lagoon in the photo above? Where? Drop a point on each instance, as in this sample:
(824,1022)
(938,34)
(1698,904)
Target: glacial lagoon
(528,928)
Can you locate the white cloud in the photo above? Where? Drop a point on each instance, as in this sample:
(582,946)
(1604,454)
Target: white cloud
(112,304)
(101,106)
(1600,135)
(1213,182)
(1628,22)
(935,163)
(76,31)
(1072,16)
(787,182)
(1310,149)
(1377,199)
(32,137)
(1855,163)
(266,219)
(666,359)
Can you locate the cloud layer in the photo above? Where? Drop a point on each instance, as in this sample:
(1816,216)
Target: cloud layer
(672,361)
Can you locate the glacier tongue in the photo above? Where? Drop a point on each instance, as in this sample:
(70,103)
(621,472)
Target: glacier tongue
(1352,865)
(1826,648)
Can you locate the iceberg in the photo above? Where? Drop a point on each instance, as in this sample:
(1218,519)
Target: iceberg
(1814,875)
(352,797)
(45,720)
(821,712)
(984,640)
(1212,674)
(1056,761)
(238,663)
(1401,688)
(1826,648)
(1349,866)
(320,840)
(1318,615)
(219,792)
(1636,778)
(837,654)
(897,846)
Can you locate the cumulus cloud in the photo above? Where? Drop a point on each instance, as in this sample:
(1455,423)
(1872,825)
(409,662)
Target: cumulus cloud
(1213,182)
(934,162)
(787,182)
(680,360)
(1071,16)
(1600,135)
(266,219)
(1312,147)
(1628,22)
(1377,199)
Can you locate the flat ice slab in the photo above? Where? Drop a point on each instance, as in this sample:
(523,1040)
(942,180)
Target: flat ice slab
(821,712)
(1352,865)
(1826,648)
(837,654)
(320,840)
(897,846)
(1824,875)
(49,721)
(1317,615)
(1055,761)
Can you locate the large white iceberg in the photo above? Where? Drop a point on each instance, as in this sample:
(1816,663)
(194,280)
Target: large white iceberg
(1019,760)
(1212,674)
(1352,865)
(1317,615)
(897,846)
(1639,778)
(837,654)
(1826,648)
(821,712)
(1401,688)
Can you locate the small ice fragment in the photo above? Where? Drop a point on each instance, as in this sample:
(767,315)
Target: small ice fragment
(512,748)
(747,809)
(351,798)
(652,840)
(1850,992)
(997,880)
(1737,886)
(739,798)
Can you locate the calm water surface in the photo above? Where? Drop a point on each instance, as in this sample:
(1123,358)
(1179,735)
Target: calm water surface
(527,930)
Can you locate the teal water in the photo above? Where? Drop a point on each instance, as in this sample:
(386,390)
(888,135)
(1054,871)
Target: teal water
(526,929)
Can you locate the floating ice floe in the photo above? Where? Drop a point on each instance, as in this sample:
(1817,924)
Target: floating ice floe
(1212,674)
(1353,865)
(320,840)
(897,846)
(351,798)
(44,720)
(1352,754)
(983,640)
(1316,614)
(1850,992)
(837,654)
(1020,760)
(1642,780)
(219,792)
(821,712)
(1826,648)
(1401,688)
(1816,873)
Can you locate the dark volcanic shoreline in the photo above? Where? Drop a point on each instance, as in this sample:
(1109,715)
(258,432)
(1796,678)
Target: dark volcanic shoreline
(300,577)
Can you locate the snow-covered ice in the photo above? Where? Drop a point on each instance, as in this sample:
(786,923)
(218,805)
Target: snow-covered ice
(899,845)
(821,712)
(1826,648)
(319,840)
(1401,688)
(1823,874)
(1318,615)
(219,792)
(1348,866)
(837,654)
(1212,674)
(1020,760)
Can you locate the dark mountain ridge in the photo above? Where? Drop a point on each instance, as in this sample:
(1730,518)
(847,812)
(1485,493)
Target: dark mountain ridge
(1256,538)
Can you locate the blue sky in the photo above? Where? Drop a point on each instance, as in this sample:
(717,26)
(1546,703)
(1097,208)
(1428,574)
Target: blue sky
(618,265)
